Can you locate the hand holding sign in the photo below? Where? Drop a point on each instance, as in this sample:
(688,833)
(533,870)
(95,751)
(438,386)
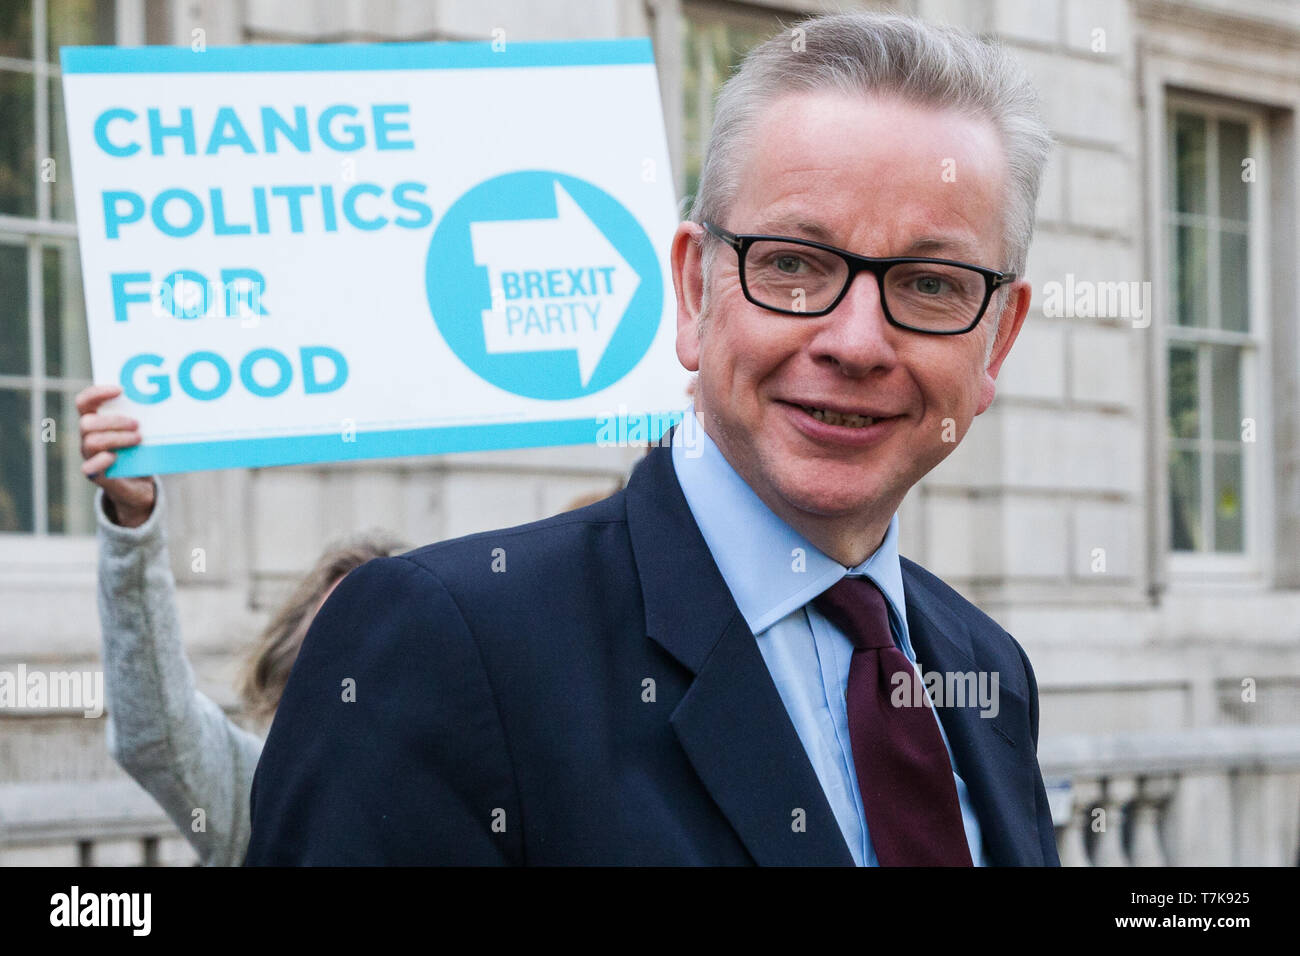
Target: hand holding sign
(102,436)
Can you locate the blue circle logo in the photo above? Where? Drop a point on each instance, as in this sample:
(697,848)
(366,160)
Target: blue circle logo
(544,285)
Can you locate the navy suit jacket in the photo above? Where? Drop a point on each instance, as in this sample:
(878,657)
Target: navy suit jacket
(584,690)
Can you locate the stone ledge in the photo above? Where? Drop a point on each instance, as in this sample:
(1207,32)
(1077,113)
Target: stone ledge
(1210,749)
(51,812)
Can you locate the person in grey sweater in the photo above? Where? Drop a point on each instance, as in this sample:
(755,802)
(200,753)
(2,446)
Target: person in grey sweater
(176,742)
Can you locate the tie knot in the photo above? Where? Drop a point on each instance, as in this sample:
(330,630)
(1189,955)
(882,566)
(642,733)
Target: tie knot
(858,609)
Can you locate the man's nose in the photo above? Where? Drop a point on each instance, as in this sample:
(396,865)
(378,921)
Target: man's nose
(859,336)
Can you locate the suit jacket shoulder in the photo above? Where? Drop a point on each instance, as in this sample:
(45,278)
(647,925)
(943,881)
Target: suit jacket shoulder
(519,584)
(559,536)
(985,642)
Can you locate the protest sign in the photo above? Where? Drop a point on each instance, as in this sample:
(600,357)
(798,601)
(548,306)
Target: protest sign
(314,253)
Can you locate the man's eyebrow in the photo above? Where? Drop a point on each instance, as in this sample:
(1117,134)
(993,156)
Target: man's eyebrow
(941,248)
(937,247)
(795,228)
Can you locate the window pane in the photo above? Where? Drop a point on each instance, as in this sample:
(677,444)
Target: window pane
(78,23)
(694,112)
(61,187)
(1190,290)
(1184,419)
(1234,146)
(67,347)
(1185,502)
(71,496)
(711,50)
(13,310)
(16,29)
(16,513)
(1189,159)
(1234,281)
(1225,386)
(1228,524)
(17,144)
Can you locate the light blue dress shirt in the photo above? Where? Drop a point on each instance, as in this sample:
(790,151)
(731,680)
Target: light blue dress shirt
(773,573)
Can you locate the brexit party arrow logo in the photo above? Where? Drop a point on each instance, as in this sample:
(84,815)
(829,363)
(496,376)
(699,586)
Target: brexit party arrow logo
(545,284)
(557,284)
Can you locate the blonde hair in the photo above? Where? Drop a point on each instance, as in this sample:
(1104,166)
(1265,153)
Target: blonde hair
(266,669)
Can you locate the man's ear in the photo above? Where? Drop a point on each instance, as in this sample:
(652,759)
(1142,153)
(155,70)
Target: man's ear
(1012,318)
(688,280)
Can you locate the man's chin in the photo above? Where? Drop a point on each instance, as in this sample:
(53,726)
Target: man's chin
(830,499)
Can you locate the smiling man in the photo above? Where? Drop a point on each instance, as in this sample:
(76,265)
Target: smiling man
(728,662)
(831,418)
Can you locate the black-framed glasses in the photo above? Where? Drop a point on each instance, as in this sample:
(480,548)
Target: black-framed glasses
(806,278)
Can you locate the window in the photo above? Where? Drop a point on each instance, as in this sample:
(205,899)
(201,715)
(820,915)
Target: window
(714,41)
(44,354)
(1215,332)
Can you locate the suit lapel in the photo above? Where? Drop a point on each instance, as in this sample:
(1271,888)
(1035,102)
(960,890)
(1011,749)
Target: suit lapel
(994,758)
(731,722)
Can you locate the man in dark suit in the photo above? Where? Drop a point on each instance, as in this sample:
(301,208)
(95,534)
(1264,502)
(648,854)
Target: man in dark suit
(728,662)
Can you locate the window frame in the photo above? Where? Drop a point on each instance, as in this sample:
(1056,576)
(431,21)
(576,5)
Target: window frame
(666,19)
(1254,561)
(51,555)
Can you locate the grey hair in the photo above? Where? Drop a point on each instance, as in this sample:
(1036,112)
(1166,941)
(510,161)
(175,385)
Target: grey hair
(865,54)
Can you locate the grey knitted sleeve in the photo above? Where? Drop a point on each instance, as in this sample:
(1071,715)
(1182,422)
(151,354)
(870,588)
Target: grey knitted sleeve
(176,742)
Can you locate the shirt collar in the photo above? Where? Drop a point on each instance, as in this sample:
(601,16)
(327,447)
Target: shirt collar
(770,568)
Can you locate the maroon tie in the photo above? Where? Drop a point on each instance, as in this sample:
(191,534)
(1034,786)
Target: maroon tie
(908,793)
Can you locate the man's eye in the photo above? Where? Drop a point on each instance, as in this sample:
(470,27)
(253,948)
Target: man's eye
(930,285)
(788,264)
